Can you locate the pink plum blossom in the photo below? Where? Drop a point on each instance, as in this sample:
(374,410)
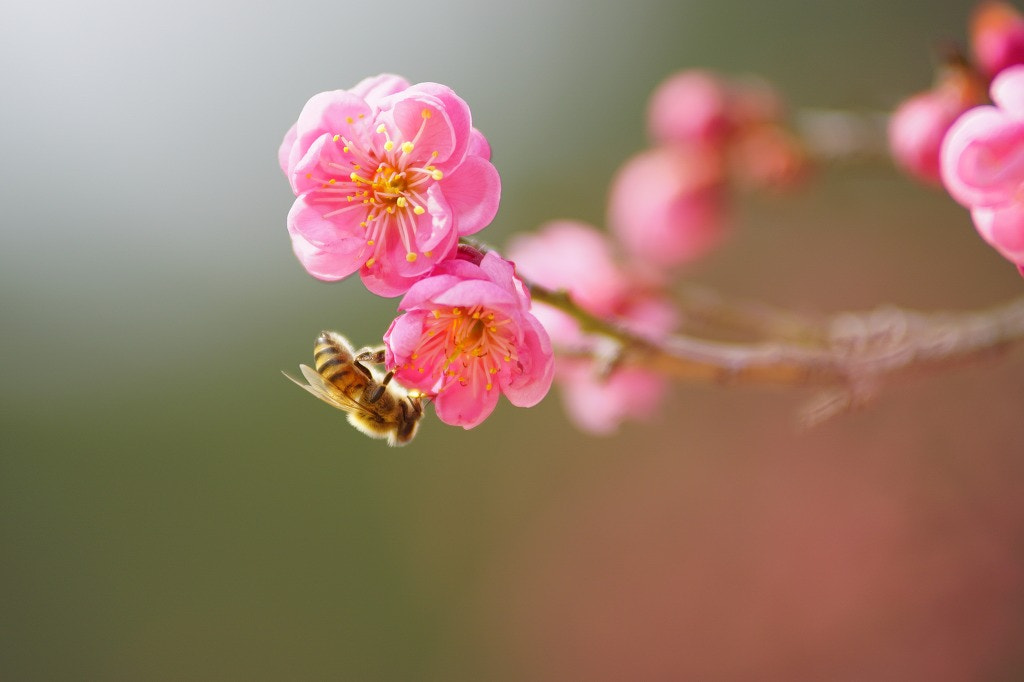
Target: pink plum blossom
(467,335)
(702,107)
(667,205)
(983,165)
(387,176)
(576,258)
(916,131)
(919,124)
(997,37)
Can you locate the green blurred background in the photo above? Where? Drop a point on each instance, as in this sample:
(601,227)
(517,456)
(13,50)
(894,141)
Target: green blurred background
(171,508)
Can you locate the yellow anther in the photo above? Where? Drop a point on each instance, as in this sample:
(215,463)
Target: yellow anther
(456,311)
(493,329)
(489,387)
(437,314)
(419,210)
(407,147)
(336,138)
(345,149)
(309,175)
(370,262)
(369,242)
(425,113)
(437,175)
(381,128)
(401,202)
(415,355)
(389,145)
(493,370)
(348,119)
(411,257)
(428,254)
(331,181)
(433,154)
(508,358)
(476,315)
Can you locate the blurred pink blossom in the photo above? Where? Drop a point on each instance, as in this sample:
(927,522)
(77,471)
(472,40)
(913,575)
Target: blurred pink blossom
(668,204)
(467,335)
(997,37)
(983,165)
(388,176)
(576,258)
(919,124)
(691,106)
(916,131)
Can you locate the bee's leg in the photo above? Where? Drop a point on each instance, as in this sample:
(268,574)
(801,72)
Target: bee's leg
(377,392)
(376,356)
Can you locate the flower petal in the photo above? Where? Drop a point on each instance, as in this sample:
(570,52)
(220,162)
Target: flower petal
(463,406)
(1002,227)
(474,191)
(375,88)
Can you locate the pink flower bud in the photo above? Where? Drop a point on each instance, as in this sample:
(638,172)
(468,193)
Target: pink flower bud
(667,205)
(997,37)
(388,176)
(983,165)
(690,106)
(916,131)
(467,335)
(767,156)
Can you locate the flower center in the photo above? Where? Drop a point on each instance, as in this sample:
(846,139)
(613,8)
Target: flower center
(469,346)
(385,180)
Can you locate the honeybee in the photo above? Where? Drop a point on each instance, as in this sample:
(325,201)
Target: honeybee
(375,405)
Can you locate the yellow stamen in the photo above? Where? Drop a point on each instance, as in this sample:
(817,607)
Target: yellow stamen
(407,147)
(419,210)
(411,257)
(370,262)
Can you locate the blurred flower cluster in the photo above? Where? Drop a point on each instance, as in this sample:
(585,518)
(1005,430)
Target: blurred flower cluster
(950,134)
(668,206)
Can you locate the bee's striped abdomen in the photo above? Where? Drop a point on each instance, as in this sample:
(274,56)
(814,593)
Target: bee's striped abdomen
(334,362)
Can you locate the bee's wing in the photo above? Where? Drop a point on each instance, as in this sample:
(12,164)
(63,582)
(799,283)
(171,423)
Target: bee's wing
(327,392)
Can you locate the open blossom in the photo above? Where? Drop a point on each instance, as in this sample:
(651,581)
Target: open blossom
(575,257)
(983,165)
(388,176)
(467,335)
(667,205)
